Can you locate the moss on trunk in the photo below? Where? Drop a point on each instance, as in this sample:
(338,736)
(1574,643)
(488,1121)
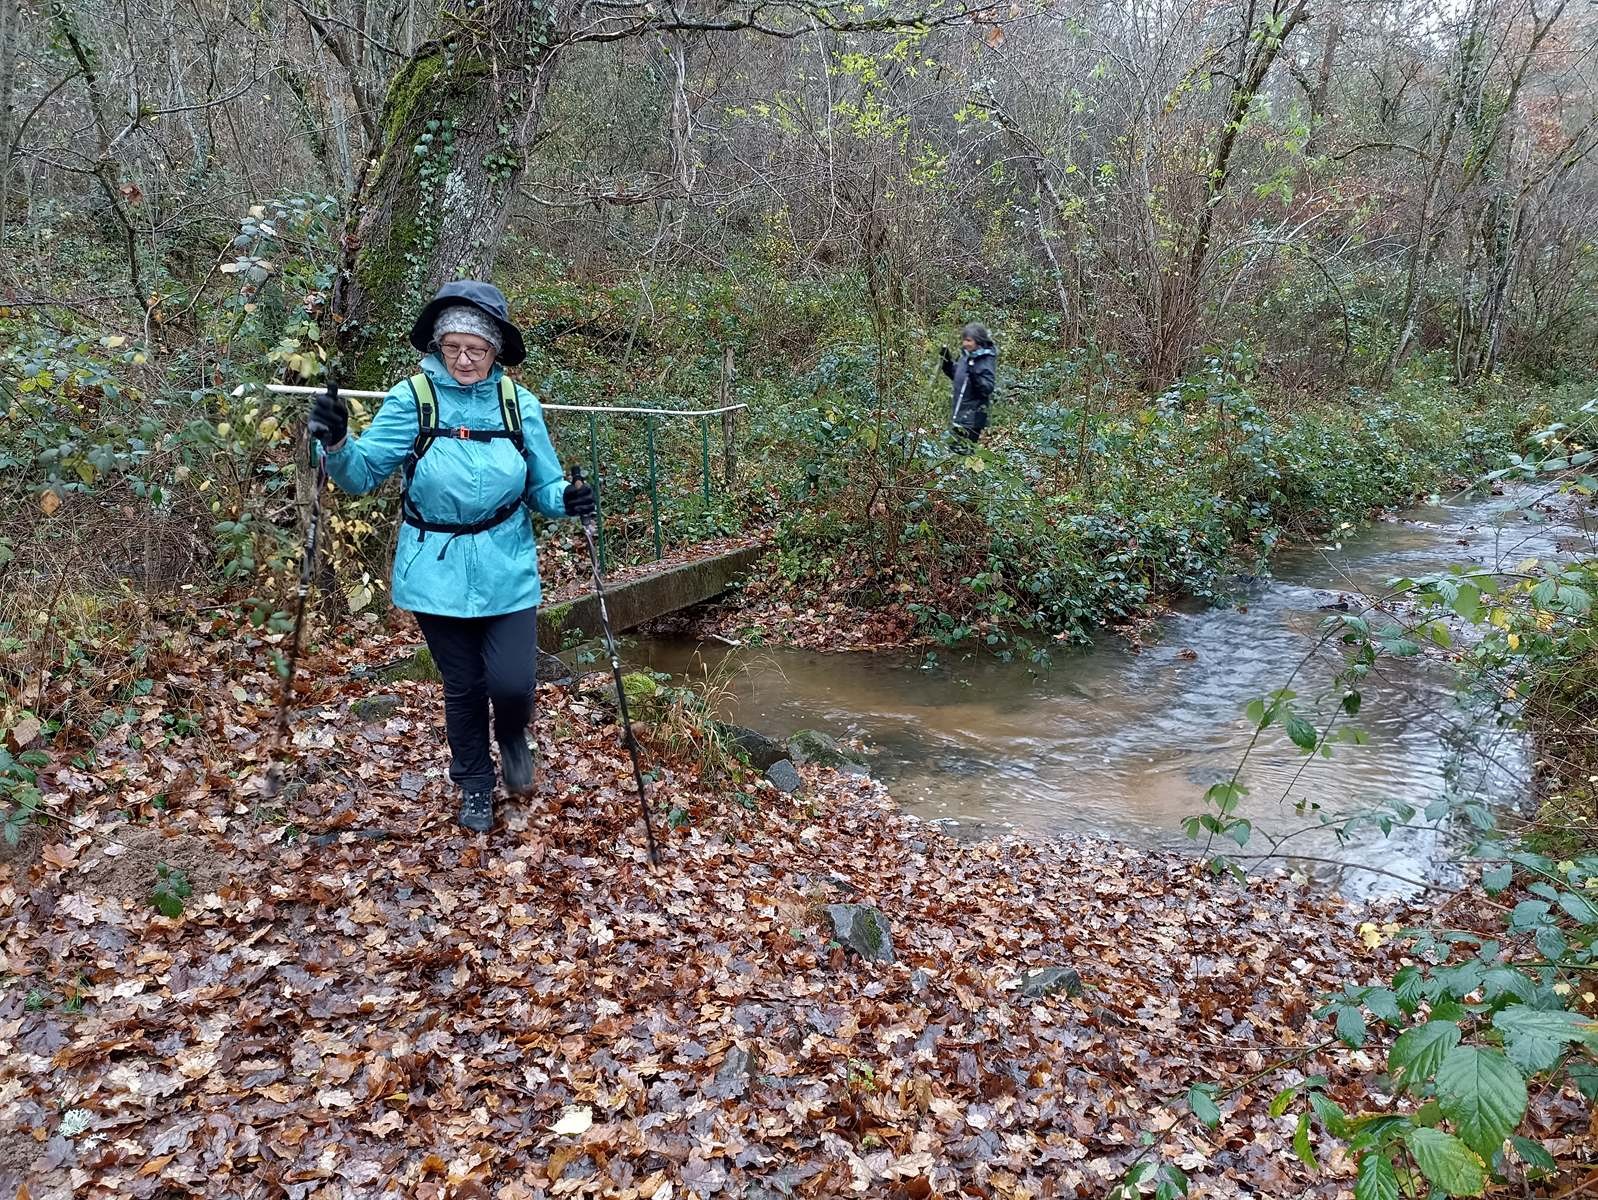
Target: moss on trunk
(454,125)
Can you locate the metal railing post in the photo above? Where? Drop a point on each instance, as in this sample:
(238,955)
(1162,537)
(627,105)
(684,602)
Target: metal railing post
(593,462)
(704,461)
(654,486)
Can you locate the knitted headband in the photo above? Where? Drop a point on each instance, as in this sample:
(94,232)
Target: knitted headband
(463,318)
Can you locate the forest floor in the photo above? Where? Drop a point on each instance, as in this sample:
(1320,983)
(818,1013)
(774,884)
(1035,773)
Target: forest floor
(359,999)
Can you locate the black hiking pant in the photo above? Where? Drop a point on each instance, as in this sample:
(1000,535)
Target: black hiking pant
(485,661)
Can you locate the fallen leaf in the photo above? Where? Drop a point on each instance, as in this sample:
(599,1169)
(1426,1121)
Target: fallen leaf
(575,1120)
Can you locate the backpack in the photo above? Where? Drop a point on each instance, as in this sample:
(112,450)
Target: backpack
(428,430)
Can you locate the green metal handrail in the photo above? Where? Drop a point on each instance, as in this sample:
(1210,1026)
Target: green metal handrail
(650,415)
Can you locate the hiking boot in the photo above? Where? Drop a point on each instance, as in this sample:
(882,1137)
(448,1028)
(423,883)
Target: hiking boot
(477,810)
(516,765)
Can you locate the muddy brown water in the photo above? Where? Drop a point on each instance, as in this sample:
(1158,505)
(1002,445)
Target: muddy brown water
(1123,744)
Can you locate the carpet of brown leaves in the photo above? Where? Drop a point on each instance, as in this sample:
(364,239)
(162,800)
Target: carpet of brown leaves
(766,608)
(361,1000)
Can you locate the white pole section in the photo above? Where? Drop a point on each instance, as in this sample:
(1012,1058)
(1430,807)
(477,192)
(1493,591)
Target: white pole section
(291,389)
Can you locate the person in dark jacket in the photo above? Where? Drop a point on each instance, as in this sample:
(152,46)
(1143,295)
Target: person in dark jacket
(972,379)
(475,456)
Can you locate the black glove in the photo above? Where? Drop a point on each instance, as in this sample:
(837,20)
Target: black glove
(330,418)
(943,353)
(580,500)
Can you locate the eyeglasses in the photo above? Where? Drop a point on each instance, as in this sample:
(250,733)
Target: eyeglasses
(469,354)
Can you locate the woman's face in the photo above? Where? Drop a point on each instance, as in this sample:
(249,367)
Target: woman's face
(967,343)
(467,357)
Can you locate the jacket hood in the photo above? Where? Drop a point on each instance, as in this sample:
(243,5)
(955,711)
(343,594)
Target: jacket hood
(484,297)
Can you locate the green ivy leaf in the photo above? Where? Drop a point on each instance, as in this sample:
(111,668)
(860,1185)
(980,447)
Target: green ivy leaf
(1418,1051)
(1483,1095)
(1376,1179)
(1447,1162)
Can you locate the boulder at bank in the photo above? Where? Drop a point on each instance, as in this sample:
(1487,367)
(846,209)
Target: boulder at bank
(863,929)
(762,751)
(808,746)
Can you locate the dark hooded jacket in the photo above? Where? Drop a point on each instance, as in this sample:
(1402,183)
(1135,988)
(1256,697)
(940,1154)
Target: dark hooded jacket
(972,390)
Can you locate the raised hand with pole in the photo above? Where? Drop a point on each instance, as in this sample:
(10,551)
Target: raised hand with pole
(581,503)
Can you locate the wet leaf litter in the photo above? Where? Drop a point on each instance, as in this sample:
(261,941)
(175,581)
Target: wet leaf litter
(406,1009)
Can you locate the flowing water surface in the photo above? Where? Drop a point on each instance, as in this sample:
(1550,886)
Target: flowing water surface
(1123,744)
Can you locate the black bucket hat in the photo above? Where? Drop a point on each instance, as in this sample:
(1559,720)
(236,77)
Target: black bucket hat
(484,297)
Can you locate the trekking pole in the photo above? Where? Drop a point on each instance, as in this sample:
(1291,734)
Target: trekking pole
(615,670)
(313,529)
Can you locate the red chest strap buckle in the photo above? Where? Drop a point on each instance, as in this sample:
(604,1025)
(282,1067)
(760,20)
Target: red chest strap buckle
(463,433)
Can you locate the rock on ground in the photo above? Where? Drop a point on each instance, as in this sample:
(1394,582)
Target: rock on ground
(862,929)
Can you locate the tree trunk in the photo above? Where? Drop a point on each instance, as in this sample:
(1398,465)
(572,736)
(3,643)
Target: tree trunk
(456,126)
(1323,86)
(10,22)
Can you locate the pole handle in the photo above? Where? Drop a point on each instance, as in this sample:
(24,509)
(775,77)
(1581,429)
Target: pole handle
(588,521)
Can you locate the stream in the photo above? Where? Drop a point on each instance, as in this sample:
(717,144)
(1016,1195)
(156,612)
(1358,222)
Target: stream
(1123,744)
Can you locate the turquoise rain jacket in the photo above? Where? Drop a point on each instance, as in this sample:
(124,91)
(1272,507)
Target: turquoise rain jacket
(458,482)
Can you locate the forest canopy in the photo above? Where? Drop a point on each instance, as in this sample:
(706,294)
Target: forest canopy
(1342,187)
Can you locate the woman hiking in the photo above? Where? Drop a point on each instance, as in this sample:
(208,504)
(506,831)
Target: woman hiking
(475,456)
(972,376)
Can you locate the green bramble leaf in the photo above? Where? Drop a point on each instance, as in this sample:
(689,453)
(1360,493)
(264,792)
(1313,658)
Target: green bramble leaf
(1201,1099)
(1376,1179)
(1420,1050)
(1483,1095)
(1447,1162)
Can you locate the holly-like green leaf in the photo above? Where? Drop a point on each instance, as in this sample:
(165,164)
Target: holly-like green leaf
(1447,1162)
(1496,879)
(1483,1095)
(1419,1051)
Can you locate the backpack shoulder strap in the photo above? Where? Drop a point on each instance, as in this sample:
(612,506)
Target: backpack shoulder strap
(510,411)
(426,414)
